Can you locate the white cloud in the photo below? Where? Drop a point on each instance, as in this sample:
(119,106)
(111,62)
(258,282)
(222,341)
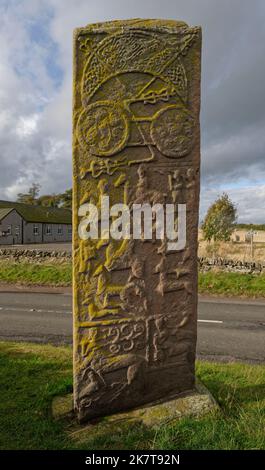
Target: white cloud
(27,125)
(36,89)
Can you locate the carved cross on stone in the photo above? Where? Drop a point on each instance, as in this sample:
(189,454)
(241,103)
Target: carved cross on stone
(136,138)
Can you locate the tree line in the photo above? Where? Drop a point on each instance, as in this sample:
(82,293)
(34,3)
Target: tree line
(32,197)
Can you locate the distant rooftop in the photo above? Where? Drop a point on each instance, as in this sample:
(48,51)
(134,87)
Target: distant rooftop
(52,215)
(4,212)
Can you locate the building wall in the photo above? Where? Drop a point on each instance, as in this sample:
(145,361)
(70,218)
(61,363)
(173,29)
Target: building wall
(23,232)
(65,236)
(239,236)
(14,221)
(28,232)
(259,236)
(38,233)
(242,236)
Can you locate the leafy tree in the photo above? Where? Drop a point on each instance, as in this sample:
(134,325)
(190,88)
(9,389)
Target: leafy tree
(49,200)
(63,200)
(31,197)
(66,199)
(220,219)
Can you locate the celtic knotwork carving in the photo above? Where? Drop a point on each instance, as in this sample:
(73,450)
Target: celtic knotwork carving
(172,131)
(137,51)
(126,338)
(103,128)
(106,127)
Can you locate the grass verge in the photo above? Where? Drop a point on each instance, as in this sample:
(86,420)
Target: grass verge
(217,283)
(31,375)
(232,284)
(36,274)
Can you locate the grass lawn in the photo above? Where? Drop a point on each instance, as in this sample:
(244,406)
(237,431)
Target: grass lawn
(31,375)
(232,284)
(218,283)
(36,274)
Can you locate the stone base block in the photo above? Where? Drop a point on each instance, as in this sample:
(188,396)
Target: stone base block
(192,404)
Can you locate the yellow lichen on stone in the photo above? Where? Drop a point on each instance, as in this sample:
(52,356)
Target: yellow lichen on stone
(135,121)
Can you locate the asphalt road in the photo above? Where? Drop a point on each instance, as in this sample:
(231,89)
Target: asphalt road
(227,329)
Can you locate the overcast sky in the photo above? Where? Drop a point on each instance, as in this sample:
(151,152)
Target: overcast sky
(36,88)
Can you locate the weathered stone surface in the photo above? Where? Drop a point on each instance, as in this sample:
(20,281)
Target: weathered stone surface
(197,403)
(62,407)
(136,139)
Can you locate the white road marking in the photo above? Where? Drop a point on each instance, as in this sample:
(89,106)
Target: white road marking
(210,321)
(22,309)
(39,310)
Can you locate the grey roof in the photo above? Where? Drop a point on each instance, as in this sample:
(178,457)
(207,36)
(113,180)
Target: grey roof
(29,213)
(4,212)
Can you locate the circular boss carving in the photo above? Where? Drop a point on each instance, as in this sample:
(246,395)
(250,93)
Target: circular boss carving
(172,131)
(103,128)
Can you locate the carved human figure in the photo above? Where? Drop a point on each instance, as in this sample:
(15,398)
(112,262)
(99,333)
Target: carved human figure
(176,185)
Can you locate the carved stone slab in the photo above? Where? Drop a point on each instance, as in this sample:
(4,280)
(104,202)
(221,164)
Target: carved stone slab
(136,139)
